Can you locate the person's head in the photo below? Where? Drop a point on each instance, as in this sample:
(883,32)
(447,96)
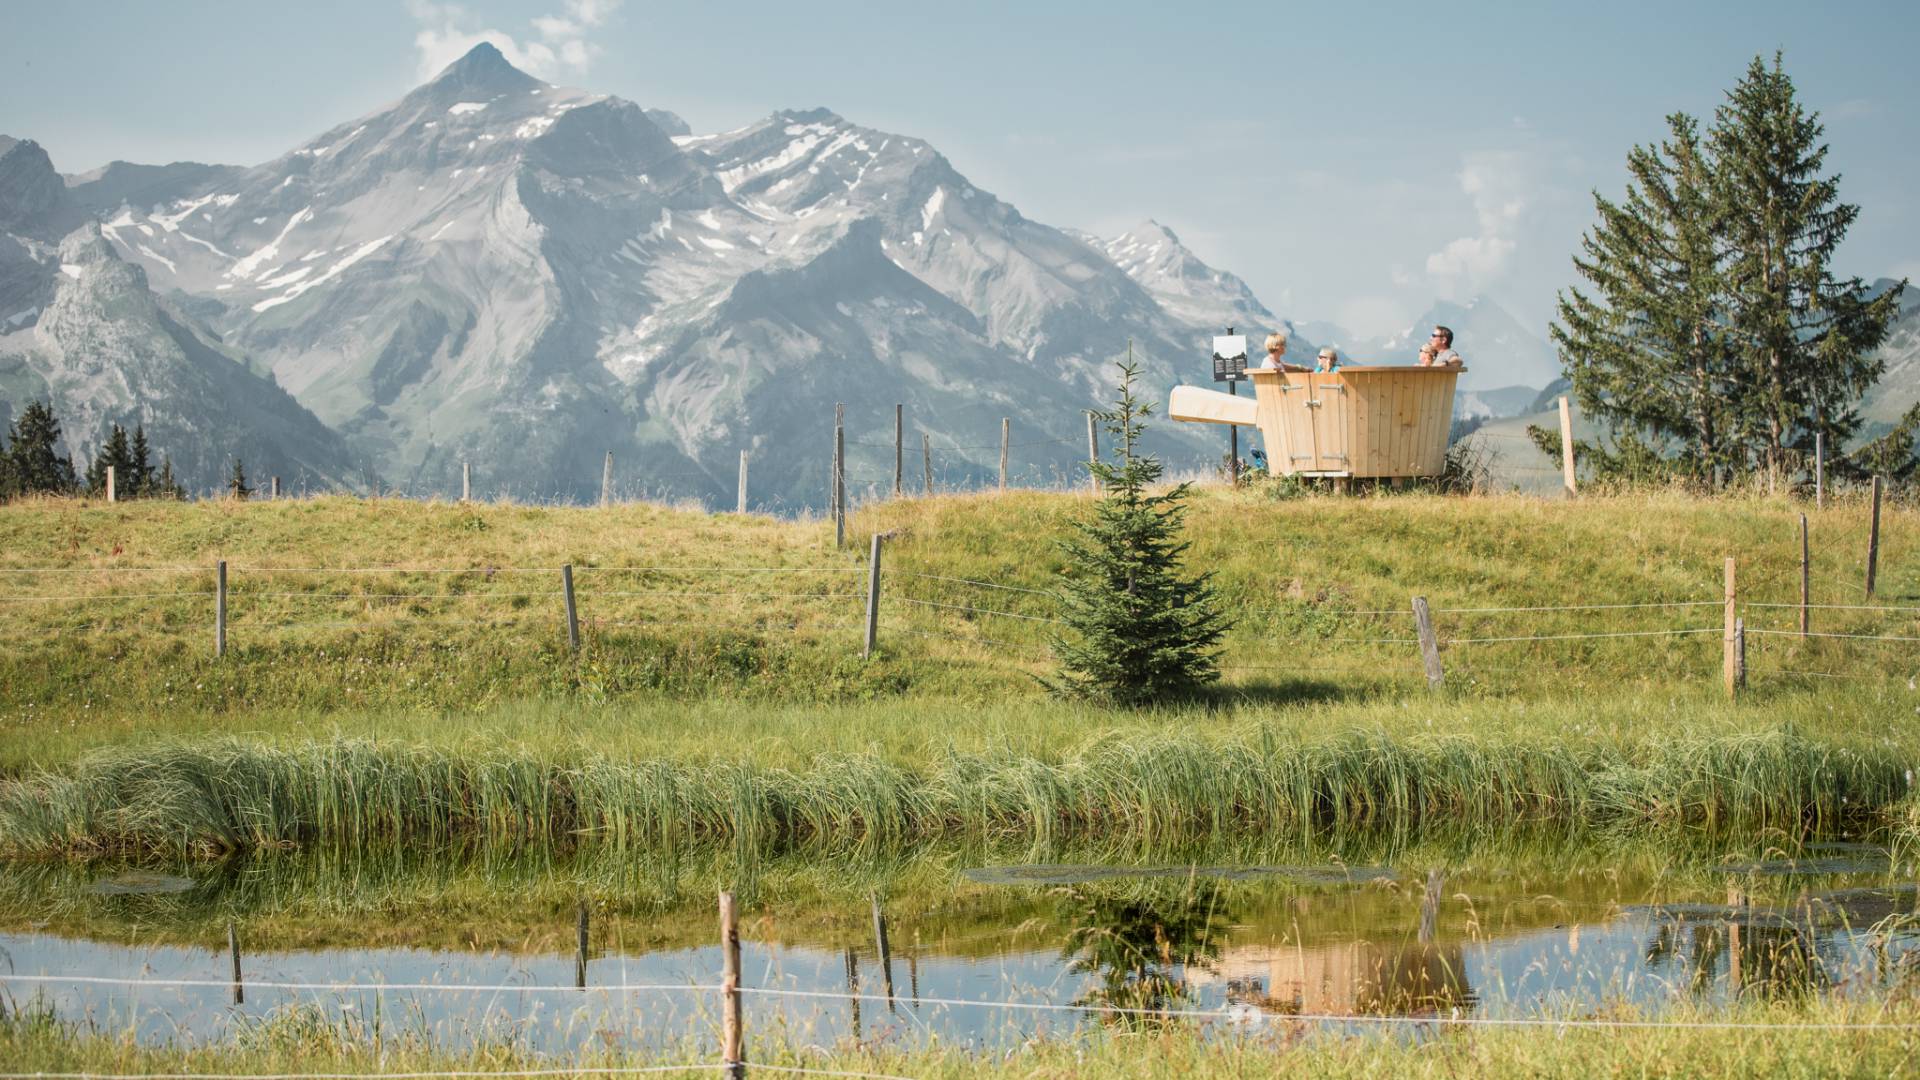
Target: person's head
(1442,338)
(1277,343)
(1328,357)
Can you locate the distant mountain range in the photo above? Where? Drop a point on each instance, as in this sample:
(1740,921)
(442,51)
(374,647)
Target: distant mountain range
(498,270)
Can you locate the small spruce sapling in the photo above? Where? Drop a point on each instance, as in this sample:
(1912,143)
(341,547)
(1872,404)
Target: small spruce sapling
(1139,631)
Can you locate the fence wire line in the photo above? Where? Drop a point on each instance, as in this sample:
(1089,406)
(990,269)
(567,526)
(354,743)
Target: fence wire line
(576,1070)
(252,984)
(237,594)
(1337,1018)
(884,630)
(1836,607)
(105,569)
(1823,634)
(974,610)
(1571,637)
(99,596)
(1578,607)
(446,1075)
(973,581)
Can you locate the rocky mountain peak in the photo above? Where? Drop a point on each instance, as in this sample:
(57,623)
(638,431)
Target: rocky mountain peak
(483,72)
(33,198)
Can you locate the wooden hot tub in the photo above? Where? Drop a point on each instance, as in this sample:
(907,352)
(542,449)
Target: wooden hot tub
(1358,421)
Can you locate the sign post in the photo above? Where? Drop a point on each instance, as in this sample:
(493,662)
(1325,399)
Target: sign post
(1230,367)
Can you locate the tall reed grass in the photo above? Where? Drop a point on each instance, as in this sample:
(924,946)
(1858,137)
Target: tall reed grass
(227,796)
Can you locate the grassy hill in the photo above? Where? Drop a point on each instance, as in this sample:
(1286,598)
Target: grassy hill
(364,634)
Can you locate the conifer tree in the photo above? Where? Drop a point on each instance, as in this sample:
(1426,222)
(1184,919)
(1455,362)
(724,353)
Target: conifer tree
(1140,632)
(140,465)
(35,466)
(1804,339)
(165,486)
(237,483)
(1645,349)
(115,454)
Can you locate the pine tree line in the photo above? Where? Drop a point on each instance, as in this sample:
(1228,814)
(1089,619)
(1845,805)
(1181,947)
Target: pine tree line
(1714,337)
(31,464)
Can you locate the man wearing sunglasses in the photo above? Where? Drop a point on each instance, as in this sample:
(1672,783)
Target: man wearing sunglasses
(1438,351)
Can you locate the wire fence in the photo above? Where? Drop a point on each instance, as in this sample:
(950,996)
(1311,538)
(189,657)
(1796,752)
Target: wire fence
(914,602)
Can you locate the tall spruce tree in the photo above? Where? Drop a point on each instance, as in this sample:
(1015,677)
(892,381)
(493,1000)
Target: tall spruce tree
(140,465)
(1804,339)
(164,485)
(35,465)
(116,454)
(237,483)
(1140,632)
(1645,349)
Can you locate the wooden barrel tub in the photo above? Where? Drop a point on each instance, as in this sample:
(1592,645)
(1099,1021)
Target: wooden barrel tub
(1358,421)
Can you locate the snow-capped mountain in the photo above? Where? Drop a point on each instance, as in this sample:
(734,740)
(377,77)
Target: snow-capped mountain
(528,276)
(1192,292)
(80,329)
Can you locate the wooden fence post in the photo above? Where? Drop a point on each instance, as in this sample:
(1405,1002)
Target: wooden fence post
(580,949)
(1806,580)
(1873,539)
(1566,446)
(880,942)
(606,481)
(1006,430)
(740,506)
(926,458)
(1740,653)
(1429,644)
(1430,906)
(1819,470)
(233,950)
(732,1036)
(1727,664)
(573,616)
(873,597)
(1093,451)
(273,488)
(899,433)
(112,495)
(839,478)
(466,481)
(220,609)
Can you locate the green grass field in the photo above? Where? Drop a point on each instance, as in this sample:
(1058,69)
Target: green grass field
(721,651)
(1797,1047)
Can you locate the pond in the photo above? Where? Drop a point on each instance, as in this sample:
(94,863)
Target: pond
(484,949)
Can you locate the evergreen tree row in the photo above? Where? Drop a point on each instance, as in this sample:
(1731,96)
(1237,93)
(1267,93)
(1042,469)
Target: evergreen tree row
(1713,336)
(31,464)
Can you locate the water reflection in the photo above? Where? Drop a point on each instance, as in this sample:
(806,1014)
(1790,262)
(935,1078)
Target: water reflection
(1138,948)
(1493,937)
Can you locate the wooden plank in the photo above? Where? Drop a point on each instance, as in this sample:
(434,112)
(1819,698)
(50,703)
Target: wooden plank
(1566,447)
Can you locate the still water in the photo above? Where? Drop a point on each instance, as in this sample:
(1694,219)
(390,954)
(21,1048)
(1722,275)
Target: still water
(1258,945)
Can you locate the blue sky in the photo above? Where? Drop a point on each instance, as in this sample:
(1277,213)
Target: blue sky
(1351,161)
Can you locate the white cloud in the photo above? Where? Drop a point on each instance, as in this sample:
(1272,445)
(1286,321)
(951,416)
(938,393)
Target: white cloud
(1501,186)
(559,46)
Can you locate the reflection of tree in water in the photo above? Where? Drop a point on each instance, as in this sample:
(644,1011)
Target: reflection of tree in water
(1140,942)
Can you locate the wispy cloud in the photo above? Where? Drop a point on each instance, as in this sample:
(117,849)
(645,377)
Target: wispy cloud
(1500,184)
(556,45)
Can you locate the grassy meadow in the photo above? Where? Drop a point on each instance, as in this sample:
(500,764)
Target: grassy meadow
(719,695)
(1785,1040)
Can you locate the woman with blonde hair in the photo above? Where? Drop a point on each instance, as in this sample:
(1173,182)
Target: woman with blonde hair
(1277,348)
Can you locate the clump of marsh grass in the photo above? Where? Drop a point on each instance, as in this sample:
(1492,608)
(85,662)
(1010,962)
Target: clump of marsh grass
(206,798)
